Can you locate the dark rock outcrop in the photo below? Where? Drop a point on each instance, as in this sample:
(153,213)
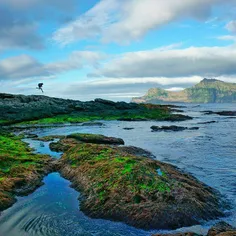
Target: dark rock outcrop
(221,113)
(207,122)
(172,128)
(19,108)
(93,124)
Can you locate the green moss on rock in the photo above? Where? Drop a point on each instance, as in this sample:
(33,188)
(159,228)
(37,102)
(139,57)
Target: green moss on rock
(120,186)
(20,170)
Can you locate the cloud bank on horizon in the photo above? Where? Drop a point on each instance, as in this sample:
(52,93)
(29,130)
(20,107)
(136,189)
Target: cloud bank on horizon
(115,49)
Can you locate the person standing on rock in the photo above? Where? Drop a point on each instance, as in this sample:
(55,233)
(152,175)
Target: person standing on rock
(40,86)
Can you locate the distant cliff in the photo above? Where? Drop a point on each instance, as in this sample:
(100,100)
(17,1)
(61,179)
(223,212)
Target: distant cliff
(207,91)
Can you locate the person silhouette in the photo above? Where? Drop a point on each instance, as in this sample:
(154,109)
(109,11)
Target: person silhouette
(40,86)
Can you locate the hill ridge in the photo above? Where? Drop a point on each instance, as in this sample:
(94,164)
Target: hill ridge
(206,91)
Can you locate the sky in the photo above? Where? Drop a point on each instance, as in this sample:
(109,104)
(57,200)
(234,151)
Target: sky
(114,49)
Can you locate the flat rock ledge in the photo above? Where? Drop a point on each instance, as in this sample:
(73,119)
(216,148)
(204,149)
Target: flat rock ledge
(118,185)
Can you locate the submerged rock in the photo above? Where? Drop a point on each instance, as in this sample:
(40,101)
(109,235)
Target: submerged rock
(178,117)
(32,136)
(92,124)
(49,138)
(117,184)
(207,122)
(172,128)
(133,119)
(221,113)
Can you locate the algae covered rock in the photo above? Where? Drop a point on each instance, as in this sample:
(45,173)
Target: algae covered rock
(96,138)
(118,185)
(21,171)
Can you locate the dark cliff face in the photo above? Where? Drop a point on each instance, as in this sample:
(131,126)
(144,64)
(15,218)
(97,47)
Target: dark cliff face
(207,91)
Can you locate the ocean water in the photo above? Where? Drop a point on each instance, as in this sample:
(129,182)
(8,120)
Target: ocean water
(208,153)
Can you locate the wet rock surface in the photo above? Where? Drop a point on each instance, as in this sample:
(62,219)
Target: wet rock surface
(221,113)
(207,122)
(171,128)
(93,124)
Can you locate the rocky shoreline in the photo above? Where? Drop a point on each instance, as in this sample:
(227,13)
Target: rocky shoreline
(118,183)
(41,110)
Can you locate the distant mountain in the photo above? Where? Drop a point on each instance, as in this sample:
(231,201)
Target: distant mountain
(207,91)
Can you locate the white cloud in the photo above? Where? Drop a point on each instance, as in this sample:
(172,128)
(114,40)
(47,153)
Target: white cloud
(90,24)
(231,26)
(161,81)
(192,61)
(227,37)
(174,89)
(24,66)
(122,21)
